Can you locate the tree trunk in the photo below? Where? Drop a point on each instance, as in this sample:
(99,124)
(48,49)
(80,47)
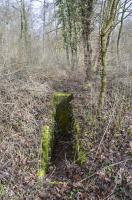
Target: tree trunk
(86,13)
(109,16)
(44,18)
(87,57)
(103,51)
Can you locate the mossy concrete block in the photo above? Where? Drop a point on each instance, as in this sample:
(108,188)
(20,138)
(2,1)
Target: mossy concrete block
(63,115)
(80,153)
(63,126)
(46,150)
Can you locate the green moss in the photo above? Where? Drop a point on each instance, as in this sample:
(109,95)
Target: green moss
(2,190)
(87,86)
(62,94)
(80,153)
(63,115)
(63,125)
(46,150)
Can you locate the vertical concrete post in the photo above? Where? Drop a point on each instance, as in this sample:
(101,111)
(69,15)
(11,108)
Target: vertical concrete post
(62,114)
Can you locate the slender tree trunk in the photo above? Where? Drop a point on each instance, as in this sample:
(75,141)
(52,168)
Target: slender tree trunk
(44,23)
(70,37)
(87,57)
(67,55)
(21,34)
(25,28)
(56,31)
(103,51)
(24,35)
(109,16)
(121,26)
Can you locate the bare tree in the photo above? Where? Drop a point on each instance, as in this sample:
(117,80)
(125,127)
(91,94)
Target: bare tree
(109,13)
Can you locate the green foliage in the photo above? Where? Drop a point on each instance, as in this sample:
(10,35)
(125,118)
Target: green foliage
(75,17)
(71,27)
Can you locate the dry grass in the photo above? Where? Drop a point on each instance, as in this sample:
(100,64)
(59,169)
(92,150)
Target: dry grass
(25,106)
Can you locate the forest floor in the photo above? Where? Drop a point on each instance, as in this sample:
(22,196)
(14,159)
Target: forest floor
(25,106)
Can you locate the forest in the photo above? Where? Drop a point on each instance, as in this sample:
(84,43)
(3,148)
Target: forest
(65,99)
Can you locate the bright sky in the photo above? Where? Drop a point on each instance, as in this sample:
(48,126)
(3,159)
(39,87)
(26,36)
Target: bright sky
(37,10)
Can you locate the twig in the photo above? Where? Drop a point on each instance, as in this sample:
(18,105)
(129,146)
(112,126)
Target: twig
(106,130)
(116,182)
(111,165)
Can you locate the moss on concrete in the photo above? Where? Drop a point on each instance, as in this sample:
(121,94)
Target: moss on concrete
(46,150)
(80,153)
(64,126)
(63,115)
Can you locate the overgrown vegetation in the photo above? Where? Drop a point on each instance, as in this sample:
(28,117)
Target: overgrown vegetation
(60,47)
